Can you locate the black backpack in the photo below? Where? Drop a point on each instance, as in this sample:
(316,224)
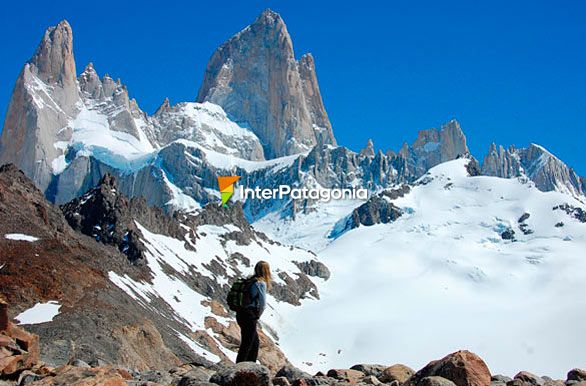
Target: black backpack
(240,295)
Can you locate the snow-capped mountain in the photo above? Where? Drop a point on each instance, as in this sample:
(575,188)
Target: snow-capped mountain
(66,132)
(444,253)
(491,264)
(255,77)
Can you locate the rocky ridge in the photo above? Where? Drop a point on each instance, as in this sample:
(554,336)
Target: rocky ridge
(535,164)
(106,270)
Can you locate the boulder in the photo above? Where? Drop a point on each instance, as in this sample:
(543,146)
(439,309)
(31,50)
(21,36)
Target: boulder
(555,382)
(368,370)
(346,375)
(19,350)
(155,376)
(577,375)
(242,374)
(398,372)
(518,382)
(291,373)
(500,378)
(27,377)
(194,377)
(78,376)
(80,363)
(462,367)
(529,378)
(314,381)
(435,381)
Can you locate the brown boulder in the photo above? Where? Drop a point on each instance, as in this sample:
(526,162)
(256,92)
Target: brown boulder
(529,378)
(435,381)
(242,374)
(398,372)
(19,350)
(367,369)
(346,375)
(517,382)
(462,367)
(557,382)
(77,376)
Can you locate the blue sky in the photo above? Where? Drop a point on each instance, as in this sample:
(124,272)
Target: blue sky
(510,72)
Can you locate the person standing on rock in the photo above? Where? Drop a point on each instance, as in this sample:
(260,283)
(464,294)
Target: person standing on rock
(247,318)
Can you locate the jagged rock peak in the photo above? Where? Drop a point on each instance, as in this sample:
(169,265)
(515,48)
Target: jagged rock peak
(255,78)
(44,99)
(54,57)
(368,151)
(268,15)
(165,106)
(271,19)
(90,83)
(89,68)
(268,28)
(108,180)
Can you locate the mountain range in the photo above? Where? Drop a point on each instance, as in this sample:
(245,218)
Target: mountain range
(108,179)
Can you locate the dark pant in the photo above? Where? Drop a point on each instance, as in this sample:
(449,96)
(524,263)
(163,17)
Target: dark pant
(249,342)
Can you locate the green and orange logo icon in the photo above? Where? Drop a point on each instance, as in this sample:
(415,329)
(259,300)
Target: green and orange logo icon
(226,184)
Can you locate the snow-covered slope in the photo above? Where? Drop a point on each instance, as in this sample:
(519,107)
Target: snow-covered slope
(208,125)
(442,278)
(190,272)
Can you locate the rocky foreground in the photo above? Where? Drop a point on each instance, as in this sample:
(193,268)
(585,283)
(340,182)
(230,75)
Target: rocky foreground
(20,365)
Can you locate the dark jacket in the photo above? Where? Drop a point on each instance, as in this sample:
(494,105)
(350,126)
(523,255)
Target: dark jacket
(258,293)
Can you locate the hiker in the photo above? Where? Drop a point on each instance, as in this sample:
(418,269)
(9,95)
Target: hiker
(248,316)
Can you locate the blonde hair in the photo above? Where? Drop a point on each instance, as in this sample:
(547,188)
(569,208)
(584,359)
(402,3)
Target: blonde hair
(262,271)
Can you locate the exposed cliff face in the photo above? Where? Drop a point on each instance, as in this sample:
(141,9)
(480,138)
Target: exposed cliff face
(502,163)
(535,163)
(54,63)
(44,97)
(255,77)
(548,172)
(433,147)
